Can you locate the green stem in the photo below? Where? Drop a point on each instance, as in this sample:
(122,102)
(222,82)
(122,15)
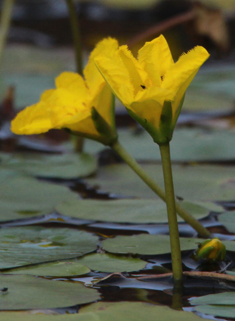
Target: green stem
(78,55)
(5,23)
(171,212)
(76,35)
(202,231)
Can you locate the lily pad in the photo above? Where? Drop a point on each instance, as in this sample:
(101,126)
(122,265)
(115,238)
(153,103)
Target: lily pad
(106,311)
(112,263)
(137,311)
(208,145)
(21,196)
(224,311)
(228,220)
(225,298)
(27,245)
(145,244)
(28,292)
(61,166)
(63,268)
(192,182)
(125,211)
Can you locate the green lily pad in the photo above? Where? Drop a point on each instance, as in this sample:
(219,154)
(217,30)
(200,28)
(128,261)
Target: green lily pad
(61,166)
(112,263)
(106,311)
(225,298)
(228,220)
(210,145)
(138,311)
(125,211)
(28,292)
(198,100)
(28,245)
(63,268)
(224,311)
(146,244)
(219,80)
(21,196)
(192,182)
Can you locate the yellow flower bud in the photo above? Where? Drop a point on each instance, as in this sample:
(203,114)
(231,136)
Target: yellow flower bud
(211,250)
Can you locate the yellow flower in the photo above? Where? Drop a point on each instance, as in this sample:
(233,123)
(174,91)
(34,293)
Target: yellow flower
(211,250)
(74,103)
(152,87)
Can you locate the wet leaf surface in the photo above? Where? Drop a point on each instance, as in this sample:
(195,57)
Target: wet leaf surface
(28,292)
(208,145)
(27,245)
(228,220)
(63,268)
(24,195)
(106,311)
(112,263)
(192,182)
(59,166)
(146,244)
(126,211)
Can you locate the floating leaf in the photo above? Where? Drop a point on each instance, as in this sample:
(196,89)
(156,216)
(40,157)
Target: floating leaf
(106,311)
(61,166)
(112,263)
(63,268)
(121,211)
(208,145)
(197,182)
(138,311)
(27,245)
(146,244)
(21,196)
(215,310)
(226,298)
(228,220)
(28,292)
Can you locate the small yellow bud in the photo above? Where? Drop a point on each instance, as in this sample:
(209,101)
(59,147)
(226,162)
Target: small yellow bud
(211,250)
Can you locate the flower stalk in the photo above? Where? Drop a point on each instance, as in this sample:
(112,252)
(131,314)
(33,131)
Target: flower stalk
(171,212)
(76,35)
(7,7)
(117,147)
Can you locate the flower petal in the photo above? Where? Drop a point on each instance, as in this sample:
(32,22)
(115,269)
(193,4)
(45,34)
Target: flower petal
(66,107)
(137,75)
(117,76)
(86,126)
(72,82)
(93,77)
(34,119)
(102,101)
(180,75)
(155,58)
(148,109)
